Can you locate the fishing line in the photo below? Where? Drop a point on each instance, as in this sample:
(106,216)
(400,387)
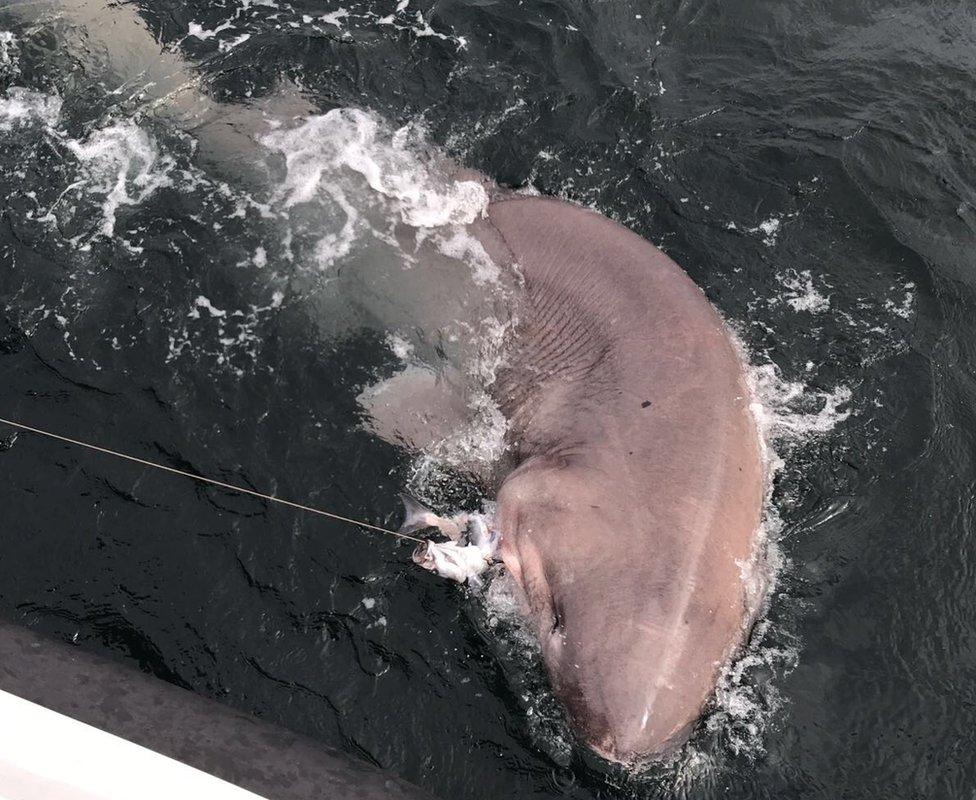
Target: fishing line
(269,497)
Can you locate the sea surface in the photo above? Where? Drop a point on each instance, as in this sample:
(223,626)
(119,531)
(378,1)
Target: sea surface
(214,236)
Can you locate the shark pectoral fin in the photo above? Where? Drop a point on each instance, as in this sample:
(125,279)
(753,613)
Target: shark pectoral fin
(417,517)
(415,408)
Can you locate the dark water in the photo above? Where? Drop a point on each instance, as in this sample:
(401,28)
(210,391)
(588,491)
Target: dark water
(809,164)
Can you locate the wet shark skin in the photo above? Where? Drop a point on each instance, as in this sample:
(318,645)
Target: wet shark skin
(632,517)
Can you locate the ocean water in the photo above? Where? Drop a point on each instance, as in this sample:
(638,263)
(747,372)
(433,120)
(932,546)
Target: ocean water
(215,240)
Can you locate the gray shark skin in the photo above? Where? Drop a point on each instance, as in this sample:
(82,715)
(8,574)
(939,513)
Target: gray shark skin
(632,515)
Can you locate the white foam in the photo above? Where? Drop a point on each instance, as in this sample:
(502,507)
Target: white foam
(201,33)
(227,45)
(372,179)
(348,139)
(20,107)
(401,348)
(335,17)
(769,230)
(229,337)
(906,308)
(9,52)
(462,246)
(788,414)
(801,294)
(337,244)
(120,163)
(204,303)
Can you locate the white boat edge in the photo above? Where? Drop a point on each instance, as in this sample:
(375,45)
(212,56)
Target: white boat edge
(45,755)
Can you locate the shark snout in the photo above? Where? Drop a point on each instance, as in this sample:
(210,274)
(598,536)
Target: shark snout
(636,735)
(625,708)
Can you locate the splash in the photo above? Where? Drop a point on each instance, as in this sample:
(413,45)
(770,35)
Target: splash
(393,16)
(356,141)
(351,185)
(801,294)
(788,415)
(8,54)
(769,229)
(122,166)
(788,412)
(906,308)
(20,107)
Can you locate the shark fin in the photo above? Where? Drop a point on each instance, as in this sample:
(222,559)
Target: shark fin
(415,408)
(416,516)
